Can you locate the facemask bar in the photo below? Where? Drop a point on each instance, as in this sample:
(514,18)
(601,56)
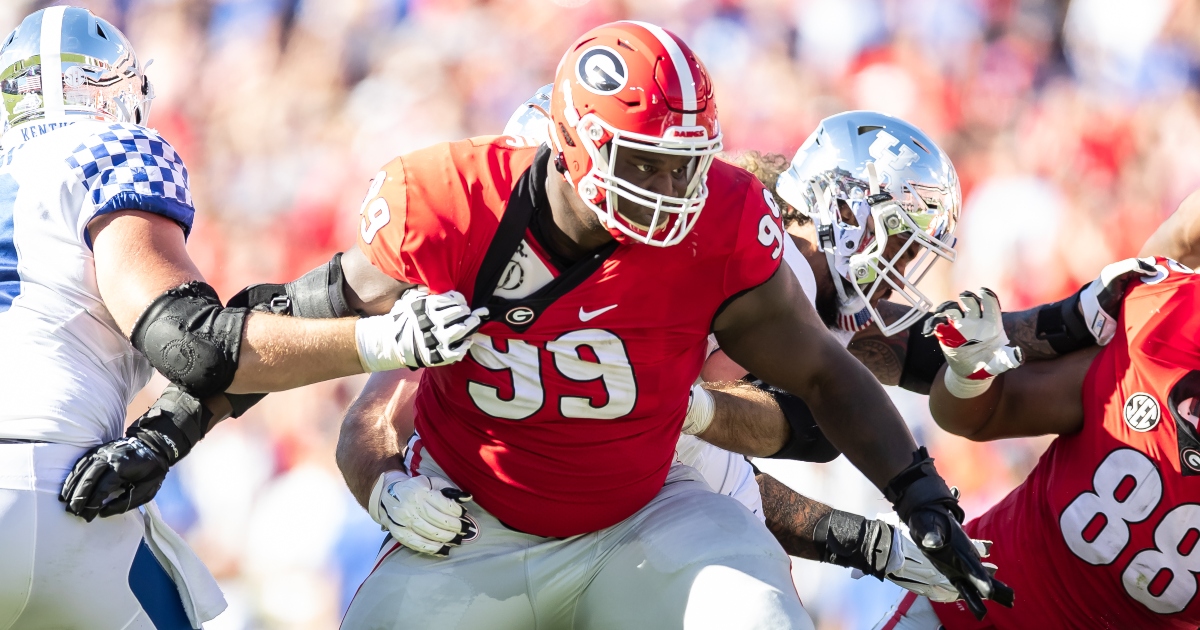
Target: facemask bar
(870,271)
(682,212)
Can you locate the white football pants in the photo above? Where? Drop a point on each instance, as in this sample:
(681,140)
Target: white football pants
(58,571)
(690,559)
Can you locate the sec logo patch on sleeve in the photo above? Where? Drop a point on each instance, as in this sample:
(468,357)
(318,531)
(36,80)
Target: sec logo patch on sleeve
(1142,412)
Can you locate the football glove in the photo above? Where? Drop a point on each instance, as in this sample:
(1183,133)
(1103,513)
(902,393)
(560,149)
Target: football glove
(930,508)
(908,567)
(425,514)
(422,330)
(121,475)
(973,339)
(1101,300)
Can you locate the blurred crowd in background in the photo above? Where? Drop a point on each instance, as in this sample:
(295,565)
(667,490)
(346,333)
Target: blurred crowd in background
(1072,125)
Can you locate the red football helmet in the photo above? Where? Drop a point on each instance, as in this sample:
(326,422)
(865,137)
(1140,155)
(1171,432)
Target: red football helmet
(634,85)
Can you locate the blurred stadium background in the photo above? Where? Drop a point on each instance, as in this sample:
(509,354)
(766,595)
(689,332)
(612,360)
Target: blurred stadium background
(1073,125)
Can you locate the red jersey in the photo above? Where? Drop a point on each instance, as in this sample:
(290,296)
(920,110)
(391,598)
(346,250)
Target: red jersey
(1104,532)
(563,419)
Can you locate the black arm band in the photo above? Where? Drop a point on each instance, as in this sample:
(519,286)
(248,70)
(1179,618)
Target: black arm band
(923,358)
(173,424)
(192,339)
(849,540)
(318,294)
(919,486)
(806,442)
(1061,325)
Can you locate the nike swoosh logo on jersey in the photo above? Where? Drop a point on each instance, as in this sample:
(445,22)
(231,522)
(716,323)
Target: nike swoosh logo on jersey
(586,316)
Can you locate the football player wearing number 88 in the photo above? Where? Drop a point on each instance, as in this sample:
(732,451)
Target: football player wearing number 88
(1105,531)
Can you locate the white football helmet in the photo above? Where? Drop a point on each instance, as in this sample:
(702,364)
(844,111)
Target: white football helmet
(65,61)
(532,118)
(865,178)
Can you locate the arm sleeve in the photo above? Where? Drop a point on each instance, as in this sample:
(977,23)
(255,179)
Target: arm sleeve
(127,167)
(758,249)
(408,229)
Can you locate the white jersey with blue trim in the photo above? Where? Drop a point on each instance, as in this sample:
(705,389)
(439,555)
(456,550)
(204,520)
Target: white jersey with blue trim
(67,372)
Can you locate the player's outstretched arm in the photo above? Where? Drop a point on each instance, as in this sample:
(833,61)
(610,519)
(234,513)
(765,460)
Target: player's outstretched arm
(807,528)
(774,332)
(139,256)
(1178,237)
(1039,398)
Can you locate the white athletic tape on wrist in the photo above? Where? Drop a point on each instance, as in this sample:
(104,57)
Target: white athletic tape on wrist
(374,504)
(374,337)
(965,387)
(701,408)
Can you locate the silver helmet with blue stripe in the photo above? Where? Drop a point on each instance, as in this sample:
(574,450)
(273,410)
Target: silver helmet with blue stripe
(64,62)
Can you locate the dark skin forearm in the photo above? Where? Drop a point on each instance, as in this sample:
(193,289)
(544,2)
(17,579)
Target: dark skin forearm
(747,418)
(369,442)
(1035,399)
(774,333)
(791,517)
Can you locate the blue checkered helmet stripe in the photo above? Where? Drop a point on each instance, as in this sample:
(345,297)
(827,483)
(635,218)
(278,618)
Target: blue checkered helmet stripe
(132,168)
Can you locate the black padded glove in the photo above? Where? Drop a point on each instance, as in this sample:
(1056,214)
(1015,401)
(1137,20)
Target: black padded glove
(121,475)
(922,499)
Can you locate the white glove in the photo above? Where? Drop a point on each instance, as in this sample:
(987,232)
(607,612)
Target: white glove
(973,339)
(1101,300)
(908,567)
(422,513)
(422,330)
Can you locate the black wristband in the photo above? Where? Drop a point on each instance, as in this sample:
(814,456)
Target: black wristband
(806,442)
(173,425)
(849,540)
(1061,325)
(920,486)
(923,357)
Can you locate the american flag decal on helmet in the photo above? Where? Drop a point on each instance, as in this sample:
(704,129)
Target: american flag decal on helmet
(856,321)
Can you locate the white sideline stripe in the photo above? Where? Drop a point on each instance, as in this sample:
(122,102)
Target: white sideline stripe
(682,69)
(51,47)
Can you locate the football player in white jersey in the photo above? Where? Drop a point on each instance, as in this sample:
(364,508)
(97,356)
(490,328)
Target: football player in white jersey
(96,290)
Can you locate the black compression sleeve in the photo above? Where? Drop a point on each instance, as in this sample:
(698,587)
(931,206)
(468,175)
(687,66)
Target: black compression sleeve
(922,359)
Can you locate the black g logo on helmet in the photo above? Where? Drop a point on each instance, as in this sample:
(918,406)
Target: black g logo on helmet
(602,70)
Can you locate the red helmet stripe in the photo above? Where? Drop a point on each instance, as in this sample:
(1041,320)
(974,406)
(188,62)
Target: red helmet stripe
(683,70)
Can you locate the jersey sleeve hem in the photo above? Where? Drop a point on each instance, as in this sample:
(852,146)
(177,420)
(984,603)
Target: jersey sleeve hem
(173,209)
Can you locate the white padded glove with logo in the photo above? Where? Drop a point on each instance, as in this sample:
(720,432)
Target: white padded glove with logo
(422,330)
(1101,300)
(973,339)
(909,568)
(422,513)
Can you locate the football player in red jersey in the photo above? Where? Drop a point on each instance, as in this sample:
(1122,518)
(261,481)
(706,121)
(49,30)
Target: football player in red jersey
(591,352)
(1104,532)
